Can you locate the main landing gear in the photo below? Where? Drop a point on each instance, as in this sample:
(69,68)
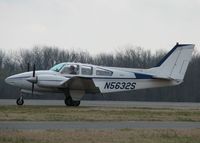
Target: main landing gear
(70,102)
(20,100)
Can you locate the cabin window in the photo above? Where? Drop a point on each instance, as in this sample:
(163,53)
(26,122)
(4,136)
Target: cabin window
(86,70)
(103,72)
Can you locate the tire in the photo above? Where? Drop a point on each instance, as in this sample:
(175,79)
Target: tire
(77,103)
(70,102)
(20,101)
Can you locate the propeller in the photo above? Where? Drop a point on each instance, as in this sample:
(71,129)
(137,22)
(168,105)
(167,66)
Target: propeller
(32,79)
(33,83)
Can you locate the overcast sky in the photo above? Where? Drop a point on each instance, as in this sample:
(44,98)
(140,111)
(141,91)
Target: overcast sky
(99,25)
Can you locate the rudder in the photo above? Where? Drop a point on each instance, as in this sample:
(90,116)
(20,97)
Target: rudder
(175,63)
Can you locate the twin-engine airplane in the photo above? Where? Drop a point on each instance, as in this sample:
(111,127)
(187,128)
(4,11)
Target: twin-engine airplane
(77,79)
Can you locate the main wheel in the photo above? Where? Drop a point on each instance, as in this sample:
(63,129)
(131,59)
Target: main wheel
(70,102)
(20,101)
(77,103)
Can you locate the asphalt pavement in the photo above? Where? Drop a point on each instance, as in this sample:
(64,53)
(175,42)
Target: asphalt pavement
(84,103)
(21,125)
(45,125)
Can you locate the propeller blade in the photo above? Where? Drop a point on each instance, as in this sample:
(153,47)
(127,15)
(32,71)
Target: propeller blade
(33,76)
(34,70)
(32,88)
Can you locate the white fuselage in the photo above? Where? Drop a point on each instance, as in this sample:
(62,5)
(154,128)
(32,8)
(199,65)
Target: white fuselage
(121,79)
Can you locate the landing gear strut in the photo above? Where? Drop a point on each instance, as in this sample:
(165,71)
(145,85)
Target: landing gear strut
(70,102)
(20,100)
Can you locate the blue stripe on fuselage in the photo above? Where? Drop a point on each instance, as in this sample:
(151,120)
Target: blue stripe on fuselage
(143,76)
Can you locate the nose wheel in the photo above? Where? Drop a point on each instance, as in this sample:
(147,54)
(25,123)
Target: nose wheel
(20,100)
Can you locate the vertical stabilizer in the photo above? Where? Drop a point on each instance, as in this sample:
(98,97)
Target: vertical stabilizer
(175,63)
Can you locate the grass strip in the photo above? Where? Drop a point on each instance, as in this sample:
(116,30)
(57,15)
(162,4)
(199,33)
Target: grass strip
(99,136)
(59,113)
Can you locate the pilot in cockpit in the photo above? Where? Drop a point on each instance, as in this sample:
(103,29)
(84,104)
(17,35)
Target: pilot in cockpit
(72,70)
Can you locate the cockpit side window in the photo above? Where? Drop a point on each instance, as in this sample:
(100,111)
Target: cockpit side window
(70,69)
(86,70)
(103,72)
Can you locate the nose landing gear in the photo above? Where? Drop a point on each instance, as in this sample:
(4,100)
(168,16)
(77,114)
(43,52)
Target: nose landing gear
(20,101)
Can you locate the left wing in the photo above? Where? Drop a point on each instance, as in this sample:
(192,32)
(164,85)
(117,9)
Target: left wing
(80,83)
(72,83)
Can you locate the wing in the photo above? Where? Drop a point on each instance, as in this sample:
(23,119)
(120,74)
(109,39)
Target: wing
(75,86)
(72,83)
(81,83)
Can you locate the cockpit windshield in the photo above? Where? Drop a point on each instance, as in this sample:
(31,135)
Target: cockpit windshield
(58,67)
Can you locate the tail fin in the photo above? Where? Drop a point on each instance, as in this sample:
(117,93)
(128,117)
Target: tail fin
(175,63)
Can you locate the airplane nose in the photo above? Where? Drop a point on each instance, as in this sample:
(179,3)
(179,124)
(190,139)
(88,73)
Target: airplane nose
(10,80)
(7,80)
(18,80)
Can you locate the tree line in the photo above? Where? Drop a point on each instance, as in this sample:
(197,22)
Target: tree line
(132,57)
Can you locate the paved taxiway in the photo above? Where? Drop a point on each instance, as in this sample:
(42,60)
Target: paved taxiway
(28,125)
(107,103)
(19,125)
